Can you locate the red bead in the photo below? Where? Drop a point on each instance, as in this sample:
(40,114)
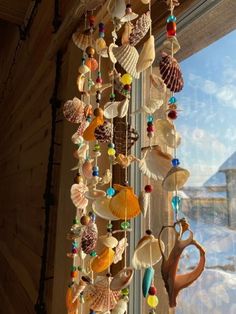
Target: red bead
(148,188)
(127,87)
(99,80)
(171,29)
(172,114)
(152,290)
(150,128)
(73,274)
(74,251)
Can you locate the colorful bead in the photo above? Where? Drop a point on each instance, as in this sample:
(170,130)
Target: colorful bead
(80,268)
(152,290)
(111,145)
(152,301)
(125,225)
(73,274)
(99,80)
(98,112)
(96,148)
(74,251)
(112,96)
(171,29)
(126,79)
(92,216)
(111,192)
(95,173)
(109,226)
(175,162)
(148,188)
(175,202)
(150,134)
(75,221)
(73,268)
(84,220)
(111,152)
(171,18)
(172,114)
(125,291)
(150,128)
(90,51)
(172,100)
(93,254)
(150,118)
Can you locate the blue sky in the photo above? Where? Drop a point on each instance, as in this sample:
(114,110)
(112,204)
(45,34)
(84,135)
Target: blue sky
(208,120)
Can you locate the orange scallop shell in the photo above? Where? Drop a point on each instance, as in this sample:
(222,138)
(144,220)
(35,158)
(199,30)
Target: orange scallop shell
(70,305)
(103,261)
(124,204)
(89,132)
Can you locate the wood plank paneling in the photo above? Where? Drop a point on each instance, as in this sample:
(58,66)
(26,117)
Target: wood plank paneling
(13,10)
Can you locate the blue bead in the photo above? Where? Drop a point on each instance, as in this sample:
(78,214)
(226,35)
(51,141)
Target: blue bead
(95,168)
(175,202)
(150,119)
(89,119)
(92,216)
(172,100)
(171,18)
(95,173)
(175,162)
(111,192)
(101,34)
(111,145)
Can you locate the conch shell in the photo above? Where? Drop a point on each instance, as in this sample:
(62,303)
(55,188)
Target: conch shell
(171,73)
(87,169)
(79,288)
(78,195)
(175,282)
(155,164)
(147,55)
(147,253)
(140,29)
(103,261)
(127,31)
(175,179)
(124,204)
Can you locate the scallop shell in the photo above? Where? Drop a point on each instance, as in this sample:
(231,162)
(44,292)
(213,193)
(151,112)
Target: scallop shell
(171,43)
(116,8)
(122,245)
(102,261)
(171,73)
(77,193)
(99,297)
(140,29)
(159,84)
(88,134)
(109,241)
(124,204)
(152,105)
(155,164)
(121,306)
(93,194)
(122,279)
(167,133)
(144,202)
(127,56)
(102,209)
(142,257)
(129,17)
(103,132)
(115,109)
(87,169)
(147,55)
(73,110)
(89,238)
(175,179)
(83,40)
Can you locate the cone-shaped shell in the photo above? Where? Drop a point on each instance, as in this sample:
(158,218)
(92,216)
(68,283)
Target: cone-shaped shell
(109,241)
(147,55)
(83,40)
(73,110)
(99,297)
(89,238)
(103,261)
(123,243)
(147,280)
(124,204)
(115,109)
(167,134)
(101,207)
(93,194)
(175,179)
(171,73)
(88,134)
(122,279)
(77,195)
(127,56)
(171,43)
(140,29)
(87,169)
(116,8)
(142,257)
(144,201)
(155,164)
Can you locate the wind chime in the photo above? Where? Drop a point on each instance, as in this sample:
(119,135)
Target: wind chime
(92,279)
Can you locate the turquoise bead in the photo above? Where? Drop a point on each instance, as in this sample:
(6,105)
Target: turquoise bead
(172,100)
(150,119)
(147,280)
(171,18)
(111,192)
(175,202)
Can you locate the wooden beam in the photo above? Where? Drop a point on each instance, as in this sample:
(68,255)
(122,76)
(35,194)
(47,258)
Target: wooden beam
(13,11)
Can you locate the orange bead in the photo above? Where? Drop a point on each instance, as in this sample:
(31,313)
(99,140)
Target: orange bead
(171,29)
(92,64)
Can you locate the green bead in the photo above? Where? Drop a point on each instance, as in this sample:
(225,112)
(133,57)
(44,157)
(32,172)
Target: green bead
(80,268)
(125,291)
(109,226)
(73,268)
(75,221)
(96,148)
(93,254)
(125,225)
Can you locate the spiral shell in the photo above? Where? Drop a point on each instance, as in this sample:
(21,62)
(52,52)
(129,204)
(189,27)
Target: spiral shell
(140,29)
(89,238)
(73,110)
(103,132)
(171,73)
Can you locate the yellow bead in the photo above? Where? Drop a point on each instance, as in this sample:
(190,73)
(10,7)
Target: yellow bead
(126,79)
(111,151)
(152,301)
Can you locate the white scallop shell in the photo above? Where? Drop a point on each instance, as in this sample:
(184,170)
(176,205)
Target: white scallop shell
(167,133)
(147,55)
(109,241)
(115,109)
(127,56)
(116,8)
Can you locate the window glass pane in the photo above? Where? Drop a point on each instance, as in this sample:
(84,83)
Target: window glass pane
(208,150)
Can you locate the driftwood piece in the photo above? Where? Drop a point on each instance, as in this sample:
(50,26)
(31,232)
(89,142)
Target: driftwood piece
(175,282)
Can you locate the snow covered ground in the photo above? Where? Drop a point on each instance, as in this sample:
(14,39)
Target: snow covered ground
(215,291)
